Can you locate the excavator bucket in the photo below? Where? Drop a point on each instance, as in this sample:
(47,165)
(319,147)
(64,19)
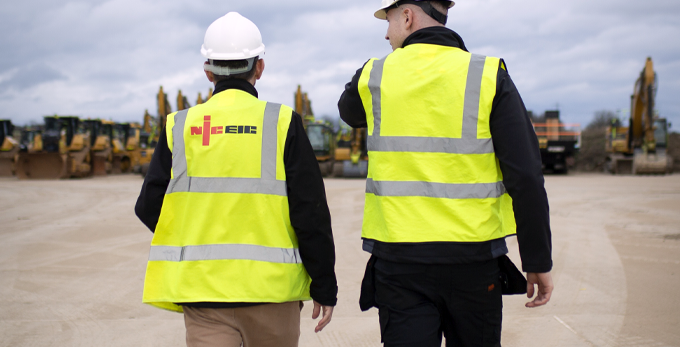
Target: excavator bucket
(652,163)
(41,166)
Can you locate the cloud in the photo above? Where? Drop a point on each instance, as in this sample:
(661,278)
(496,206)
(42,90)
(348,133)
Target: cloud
(107,58)
(29,76)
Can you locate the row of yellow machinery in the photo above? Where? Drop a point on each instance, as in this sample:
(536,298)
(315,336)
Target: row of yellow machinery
(67,146)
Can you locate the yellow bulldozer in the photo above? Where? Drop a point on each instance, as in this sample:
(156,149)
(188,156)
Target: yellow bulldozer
(120,145)
(30,139)
(9,148)
(640,148)
(65,151)
(100,145)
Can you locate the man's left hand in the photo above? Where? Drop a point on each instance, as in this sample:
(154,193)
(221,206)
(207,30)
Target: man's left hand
(327,314)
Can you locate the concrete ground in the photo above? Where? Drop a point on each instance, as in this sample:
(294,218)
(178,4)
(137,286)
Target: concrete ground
(73,256)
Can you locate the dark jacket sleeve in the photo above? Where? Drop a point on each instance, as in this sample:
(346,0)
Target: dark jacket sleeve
(517,150)
(309,213)
(150,201)
(350,106)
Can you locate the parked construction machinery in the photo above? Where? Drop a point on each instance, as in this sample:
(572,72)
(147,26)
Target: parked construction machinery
(120,133)
(351,156)
(100,145)
(320,133)
(200,100)
(154,126)
(65,151)
(30,139)
(144,150)
(557,142)
(142,140)
(640,148)
(9,149)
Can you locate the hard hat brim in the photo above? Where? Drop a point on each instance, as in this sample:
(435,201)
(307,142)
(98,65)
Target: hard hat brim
(382,14)
(233,56)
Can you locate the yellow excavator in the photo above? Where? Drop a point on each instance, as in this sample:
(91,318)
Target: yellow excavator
(155,126)
(9,148)
(65,151)
(640,148)
(320,134)
(146,137)
(200,100)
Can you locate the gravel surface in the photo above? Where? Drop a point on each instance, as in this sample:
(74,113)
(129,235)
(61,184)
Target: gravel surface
(73,256)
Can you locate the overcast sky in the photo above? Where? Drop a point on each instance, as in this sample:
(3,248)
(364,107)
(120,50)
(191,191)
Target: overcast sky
(107,59)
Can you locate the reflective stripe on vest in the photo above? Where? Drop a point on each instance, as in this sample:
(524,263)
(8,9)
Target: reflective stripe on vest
(266,184)
(436,190)
(467,144)
(224,252)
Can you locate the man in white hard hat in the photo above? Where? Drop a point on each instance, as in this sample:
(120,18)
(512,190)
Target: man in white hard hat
(454,169)
(235,197)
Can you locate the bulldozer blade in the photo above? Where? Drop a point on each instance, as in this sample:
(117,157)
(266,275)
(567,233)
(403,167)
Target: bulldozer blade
(6,164)
(41,166)
(100,166)
(117,166)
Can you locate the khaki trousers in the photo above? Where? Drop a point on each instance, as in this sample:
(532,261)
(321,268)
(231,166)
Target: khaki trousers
(255,326)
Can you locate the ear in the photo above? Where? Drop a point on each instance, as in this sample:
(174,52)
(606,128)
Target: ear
(259,69)
(408,18)
(209,74)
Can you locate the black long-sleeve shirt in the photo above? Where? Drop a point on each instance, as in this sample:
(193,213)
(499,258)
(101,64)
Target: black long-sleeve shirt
(516,148)
(309,214)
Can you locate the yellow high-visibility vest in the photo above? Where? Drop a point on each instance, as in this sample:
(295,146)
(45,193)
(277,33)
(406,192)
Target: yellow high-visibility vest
(433,175)
(224,232)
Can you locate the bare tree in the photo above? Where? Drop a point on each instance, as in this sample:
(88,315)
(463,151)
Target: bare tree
(592,155)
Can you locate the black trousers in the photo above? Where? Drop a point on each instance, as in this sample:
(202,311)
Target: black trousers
(419,302)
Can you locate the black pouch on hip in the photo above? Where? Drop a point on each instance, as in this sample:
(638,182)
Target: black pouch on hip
(512,280)
(367,298)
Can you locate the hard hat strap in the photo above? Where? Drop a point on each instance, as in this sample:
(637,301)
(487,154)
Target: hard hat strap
(226,70)
(426,7)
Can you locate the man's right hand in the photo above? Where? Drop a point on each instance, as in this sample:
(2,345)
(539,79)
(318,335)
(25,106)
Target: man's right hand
(545,288)
(327,314)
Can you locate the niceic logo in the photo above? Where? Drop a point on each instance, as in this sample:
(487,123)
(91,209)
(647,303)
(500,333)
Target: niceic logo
(228,129)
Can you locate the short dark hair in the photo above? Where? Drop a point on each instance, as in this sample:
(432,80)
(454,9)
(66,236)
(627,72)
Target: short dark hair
(235,64)
(441,6)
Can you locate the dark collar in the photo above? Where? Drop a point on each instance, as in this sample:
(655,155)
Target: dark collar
(436,35)
(235,83)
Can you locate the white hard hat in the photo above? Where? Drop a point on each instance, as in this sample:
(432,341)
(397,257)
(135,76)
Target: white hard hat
(232,37)
(382,14)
